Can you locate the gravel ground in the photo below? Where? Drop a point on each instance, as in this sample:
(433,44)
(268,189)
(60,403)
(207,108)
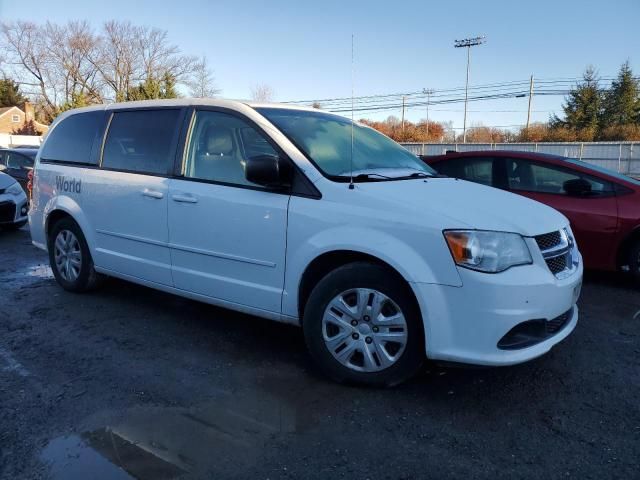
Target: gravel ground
(128,382)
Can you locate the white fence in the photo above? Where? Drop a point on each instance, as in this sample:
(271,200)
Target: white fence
(8,140)
(623,157)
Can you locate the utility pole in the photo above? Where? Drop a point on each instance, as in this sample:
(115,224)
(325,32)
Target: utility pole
(403,98)
(529,109)
(467,43)
(428,92)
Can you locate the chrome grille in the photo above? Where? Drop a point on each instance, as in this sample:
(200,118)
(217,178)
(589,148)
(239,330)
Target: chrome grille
(556,248)
(548,240)
(557,264)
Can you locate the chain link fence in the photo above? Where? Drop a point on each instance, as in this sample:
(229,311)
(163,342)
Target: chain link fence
(622,157)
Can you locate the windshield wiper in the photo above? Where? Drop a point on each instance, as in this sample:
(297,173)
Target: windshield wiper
(371,176)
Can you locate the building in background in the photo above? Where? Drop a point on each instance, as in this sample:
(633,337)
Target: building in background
(14,118)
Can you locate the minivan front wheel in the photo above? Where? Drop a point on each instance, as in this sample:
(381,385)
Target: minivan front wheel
(363,326)
(70,258)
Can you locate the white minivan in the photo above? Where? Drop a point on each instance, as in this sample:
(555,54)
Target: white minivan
(300,216)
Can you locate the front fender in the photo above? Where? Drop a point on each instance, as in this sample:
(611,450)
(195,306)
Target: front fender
(414,266)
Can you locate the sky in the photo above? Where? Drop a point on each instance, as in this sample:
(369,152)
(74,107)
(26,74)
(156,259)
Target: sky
(302,49)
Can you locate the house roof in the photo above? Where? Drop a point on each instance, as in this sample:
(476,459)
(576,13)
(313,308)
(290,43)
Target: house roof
(4,110)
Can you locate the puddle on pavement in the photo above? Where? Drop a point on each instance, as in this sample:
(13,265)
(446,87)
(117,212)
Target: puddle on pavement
(224,436)
(41,271)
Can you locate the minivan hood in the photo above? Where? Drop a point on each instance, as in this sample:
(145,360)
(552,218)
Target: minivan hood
(6,181)
(464,204)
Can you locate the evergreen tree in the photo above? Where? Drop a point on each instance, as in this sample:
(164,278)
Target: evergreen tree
(10,95)
(583,106)
(27,128)
(77,100)
(622,102)
(153,88)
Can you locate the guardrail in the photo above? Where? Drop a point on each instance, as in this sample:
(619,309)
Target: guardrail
(623,157)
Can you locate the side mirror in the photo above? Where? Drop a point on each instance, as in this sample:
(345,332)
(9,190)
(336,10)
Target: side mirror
(2,167)
(267,170)
(577,187)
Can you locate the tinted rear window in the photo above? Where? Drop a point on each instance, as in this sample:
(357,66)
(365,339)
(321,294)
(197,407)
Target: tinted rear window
(71,140)
(141,141)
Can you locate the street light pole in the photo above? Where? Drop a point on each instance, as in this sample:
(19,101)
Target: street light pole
(467,43)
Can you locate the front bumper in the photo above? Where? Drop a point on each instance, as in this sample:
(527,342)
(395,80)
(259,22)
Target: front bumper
(13,209)
(465,324)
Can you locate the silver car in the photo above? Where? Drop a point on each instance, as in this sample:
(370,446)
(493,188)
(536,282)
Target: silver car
(13,203)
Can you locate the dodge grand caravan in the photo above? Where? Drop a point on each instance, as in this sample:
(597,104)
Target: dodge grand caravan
(300,216)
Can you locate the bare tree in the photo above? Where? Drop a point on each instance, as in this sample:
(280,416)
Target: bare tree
(202,82)
(117,58)
(129,55)
(62,66)
(74,76)
(160,58)
(52,63)
(28,57)
(262,93)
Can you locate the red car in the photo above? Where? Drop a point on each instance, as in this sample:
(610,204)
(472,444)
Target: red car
(603,206)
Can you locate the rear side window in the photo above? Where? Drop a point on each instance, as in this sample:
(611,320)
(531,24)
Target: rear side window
(141,141)
(72,139)
(534,177)
(474,169)
(18,162)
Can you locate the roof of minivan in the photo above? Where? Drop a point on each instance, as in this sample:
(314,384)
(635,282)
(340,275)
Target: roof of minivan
(182,102)
(187,102)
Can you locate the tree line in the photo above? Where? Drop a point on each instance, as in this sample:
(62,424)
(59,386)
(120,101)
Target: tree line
(64,66)
(595,113)
(591,113)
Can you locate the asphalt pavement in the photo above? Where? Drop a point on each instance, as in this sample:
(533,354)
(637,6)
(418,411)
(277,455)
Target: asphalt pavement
(128,382)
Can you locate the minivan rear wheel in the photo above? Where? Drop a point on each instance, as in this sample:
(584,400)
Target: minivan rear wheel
(70,258)
(362,325)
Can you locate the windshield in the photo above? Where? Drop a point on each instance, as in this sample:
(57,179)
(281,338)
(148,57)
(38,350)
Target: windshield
(606,171)
(326,140)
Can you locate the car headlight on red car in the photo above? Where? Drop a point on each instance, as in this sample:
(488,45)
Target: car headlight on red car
(487,251)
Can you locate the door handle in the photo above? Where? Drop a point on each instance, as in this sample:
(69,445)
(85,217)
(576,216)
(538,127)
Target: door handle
(184,198)
(152,193)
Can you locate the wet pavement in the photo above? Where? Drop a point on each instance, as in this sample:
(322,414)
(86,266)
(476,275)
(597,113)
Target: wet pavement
(130,383)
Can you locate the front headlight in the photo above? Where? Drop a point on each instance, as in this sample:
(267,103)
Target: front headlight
(15,190)
(487,251)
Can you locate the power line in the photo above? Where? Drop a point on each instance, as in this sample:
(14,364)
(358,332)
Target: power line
(511,89)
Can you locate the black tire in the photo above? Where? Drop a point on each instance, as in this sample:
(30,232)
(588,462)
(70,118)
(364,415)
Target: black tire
(634,261)
(87,279)
(365,276)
